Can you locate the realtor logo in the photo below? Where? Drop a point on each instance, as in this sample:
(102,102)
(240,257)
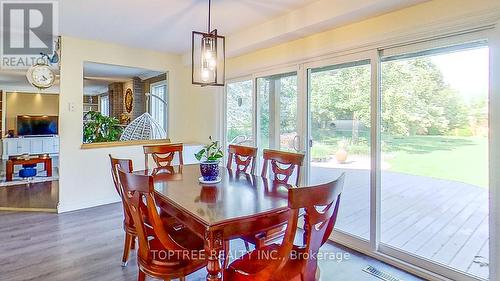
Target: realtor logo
(28,29)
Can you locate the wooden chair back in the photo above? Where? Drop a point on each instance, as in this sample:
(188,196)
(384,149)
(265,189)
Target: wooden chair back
(139,197)
(321,204)
(163,155)
(126,165)
(283,164)
(243,158)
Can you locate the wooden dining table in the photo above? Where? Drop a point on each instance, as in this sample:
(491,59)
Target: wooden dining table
(239,205)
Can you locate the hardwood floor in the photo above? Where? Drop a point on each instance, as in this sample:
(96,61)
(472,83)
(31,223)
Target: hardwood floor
(40,196)
(87,245)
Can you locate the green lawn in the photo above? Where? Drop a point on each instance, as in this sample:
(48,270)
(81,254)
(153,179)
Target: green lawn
(463,159)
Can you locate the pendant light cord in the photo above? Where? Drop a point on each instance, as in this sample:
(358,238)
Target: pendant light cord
(209,10)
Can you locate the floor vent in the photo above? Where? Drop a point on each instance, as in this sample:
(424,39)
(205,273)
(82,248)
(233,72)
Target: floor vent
(380,274)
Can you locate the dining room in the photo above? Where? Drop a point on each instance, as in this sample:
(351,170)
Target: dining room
(266,140)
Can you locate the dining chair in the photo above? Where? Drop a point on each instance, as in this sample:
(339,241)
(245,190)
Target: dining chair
(165,252)
(128,224)
(283,166)
(243,158)
(287,261)
(163,154)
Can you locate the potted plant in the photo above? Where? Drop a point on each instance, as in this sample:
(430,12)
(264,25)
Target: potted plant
(341,154)
(209,157)
(100,128)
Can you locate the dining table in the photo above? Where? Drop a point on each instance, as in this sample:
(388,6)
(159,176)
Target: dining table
(239,205)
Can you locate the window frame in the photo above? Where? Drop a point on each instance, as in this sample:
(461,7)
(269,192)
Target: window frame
(165,98)
(106,98)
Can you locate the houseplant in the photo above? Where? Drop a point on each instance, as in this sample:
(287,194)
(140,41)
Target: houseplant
(209,157)
(100,128)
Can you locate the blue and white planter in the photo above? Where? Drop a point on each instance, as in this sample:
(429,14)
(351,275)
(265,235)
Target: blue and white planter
(209,170)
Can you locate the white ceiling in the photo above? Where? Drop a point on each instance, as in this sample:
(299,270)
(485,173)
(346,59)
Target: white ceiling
(166,25)
(116,73)
(163,25)
(97,76)
(16,81)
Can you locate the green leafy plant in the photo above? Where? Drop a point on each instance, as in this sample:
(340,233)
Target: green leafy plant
(211,152)
(100,128)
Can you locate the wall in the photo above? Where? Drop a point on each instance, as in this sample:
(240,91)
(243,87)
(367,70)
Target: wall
(139,102)
(405,24)
(116,95)
(29,104)
(85,179)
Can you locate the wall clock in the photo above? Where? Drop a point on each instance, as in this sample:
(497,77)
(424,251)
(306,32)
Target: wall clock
(129,100)
(41,75)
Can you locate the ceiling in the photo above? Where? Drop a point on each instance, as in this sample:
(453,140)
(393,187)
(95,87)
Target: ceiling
(163,25)
(97,76)
(16,81)
(166,25)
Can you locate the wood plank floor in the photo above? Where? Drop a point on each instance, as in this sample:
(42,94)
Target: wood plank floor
(41,196)
(87,245)
(440,220)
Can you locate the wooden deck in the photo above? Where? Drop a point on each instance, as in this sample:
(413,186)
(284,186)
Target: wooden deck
(440,220)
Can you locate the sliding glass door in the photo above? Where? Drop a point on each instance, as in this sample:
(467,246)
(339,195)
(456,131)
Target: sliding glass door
(409,127)
(239,113)
(434,190)
(277,100)
(340,121)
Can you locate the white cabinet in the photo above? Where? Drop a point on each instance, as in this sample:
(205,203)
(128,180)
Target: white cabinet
(30,145)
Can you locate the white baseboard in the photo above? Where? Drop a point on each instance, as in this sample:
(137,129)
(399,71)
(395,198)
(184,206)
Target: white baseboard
(75,206)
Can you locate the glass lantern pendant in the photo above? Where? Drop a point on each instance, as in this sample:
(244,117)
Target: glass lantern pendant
(208,56)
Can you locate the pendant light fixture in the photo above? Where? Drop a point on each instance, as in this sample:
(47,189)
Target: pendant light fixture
(208,56)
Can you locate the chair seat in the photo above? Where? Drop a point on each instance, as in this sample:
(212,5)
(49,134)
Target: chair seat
(171,266)
(244,268)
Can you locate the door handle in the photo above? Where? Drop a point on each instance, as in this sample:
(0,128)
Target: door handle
(296,140)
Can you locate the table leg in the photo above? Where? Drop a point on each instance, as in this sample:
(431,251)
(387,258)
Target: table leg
(213,248)
(9,170)
(48,167)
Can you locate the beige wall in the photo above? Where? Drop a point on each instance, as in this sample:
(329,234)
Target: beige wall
(403,25)
(29,104)
(84,174)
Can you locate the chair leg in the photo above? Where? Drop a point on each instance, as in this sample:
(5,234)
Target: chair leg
(226,254)
(182,278)
(142,276)
(126,249)
(132,243)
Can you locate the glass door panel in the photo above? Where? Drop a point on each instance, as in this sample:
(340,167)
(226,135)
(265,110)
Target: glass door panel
(434,184)
(278,101)
(239,113)
(339,102)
